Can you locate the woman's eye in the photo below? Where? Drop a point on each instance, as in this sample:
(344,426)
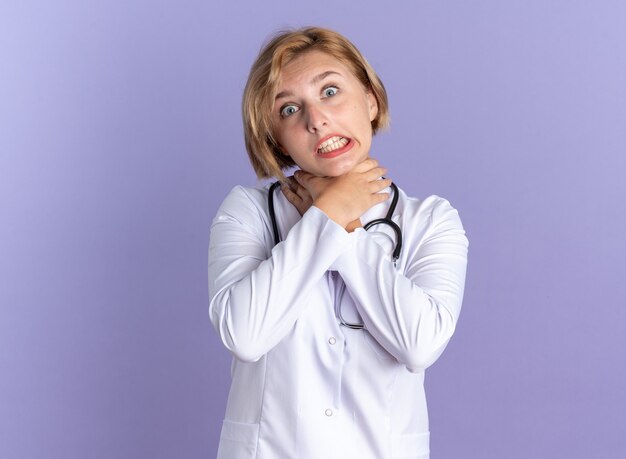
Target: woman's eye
(288,110)
(330,91)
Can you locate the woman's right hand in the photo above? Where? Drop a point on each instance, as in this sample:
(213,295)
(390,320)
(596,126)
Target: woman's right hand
(345,198)
(297,195)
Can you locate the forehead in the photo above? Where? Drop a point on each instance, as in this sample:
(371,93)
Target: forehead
(308,65)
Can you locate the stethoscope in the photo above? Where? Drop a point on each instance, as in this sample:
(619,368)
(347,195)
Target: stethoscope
(379,221)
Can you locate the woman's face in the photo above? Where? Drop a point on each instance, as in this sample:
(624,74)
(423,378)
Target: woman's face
(322,115)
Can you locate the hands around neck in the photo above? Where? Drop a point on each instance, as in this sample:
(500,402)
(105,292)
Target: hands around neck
(345,198)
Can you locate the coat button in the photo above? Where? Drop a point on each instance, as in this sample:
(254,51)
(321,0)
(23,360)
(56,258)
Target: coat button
(332,340)
(328,412)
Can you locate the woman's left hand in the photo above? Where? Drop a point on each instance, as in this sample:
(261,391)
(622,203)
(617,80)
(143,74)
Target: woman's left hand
(297,195)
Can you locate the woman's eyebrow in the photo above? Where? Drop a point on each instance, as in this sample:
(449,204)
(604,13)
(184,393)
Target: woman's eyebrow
(323,75)
(316,79)
(282,94)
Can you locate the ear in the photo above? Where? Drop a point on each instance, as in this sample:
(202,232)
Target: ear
(372,104)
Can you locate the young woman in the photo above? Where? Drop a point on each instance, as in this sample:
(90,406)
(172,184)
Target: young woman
(335,291)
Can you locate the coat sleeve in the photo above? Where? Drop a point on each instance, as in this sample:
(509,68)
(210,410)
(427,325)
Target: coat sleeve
(254,300)
(411,313)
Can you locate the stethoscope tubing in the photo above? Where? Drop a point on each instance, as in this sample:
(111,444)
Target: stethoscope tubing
(386,220)
(270,205)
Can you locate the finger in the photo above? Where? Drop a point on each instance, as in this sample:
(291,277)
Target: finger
(285,188)
(291,183)
(290,195)
(366,165)
(379,185)
(302,177)
(375,173)
(311,183)
(303,192)
(377,198)
(295,186)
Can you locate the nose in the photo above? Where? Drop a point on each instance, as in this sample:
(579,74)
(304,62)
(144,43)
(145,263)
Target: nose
(316,118)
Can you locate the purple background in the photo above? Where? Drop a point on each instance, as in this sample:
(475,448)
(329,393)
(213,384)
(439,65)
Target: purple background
(120,134)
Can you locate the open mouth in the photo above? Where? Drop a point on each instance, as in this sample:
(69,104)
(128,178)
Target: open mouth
(332,144)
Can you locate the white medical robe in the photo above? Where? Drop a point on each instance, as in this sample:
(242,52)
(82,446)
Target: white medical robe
(303,386)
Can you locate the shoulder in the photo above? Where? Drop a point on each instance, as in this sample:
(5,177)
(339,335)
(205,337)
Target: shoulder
(244,204)
(429,219)
(432,225)
(432,210)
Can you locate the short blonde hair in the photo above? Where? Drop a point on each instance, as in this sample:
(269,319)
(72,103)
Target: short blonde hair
(260,92)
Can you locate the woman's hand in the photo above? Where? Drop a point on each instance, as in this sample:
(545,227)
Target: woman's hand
(301,199)
(297,195)
(345,198)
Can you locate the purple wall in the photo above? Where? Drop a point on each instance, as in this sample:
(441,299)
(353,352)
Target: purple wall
(120,135)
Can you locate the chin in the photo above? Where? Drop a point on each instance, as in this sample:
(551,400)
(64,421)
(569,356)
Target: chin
(343,167)
(339,171)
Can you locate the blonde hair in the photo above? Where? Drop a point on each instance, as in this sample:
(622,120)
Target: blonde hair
(260,92)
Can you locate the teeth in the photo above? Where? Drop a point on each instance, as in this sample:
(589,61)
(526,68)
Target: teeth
(332,144)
